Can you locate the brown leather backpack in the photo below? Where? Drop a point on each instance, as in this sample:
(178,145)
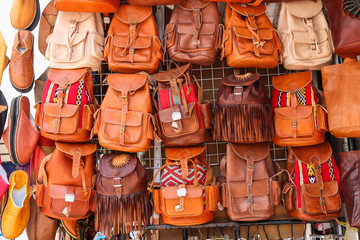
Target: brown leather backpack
(124,120)
(247,182)
(153,2)
(122,201)
(186,204)
(68,105)
(313,192)
(193,34)
(249,38)
(133,42)
(186,120)
(243,111)
(64,188)
(299,118)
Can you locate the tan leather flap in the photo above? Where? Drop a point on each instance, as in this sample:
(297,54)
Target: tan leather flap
(303,9)
(178,153)
(63,76)
(126,82)
(257,151)
(330,189)
(246,79)
(68,148)
(304,37)
(300,112)
(60,38)
(247,10)
(206,28)
(313,153)
(67,110)
(141,42)
(172,73)
(258,187)
(192,191)
(292,82)
(265,34)
(193,4)
(109,170)
(74,16)
(114,116)
(165,115)
(60,191)
(133,14)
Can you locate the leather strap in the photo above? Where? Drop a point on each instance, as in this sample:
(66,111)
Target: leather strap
(124,111)
(76,157)
(42,176)
(223,166)
(250,158)
(133,34)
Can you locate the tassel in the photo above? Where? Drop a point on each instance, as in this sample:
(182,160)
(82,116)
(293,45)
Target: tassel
(114,215)
(245,123)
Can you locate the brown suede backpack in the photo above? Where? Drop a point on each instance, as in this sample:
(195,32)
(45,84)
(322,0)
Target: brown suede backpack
(193,34)
(122,201)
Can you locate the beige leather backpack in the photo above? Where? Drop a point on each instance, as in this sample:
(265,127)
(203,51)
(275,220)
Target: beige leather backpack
(305,36)
(76,42)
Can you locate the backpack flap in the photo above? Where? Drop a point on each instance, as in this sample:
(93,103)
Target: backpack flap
(292,82)
(247,10)
(303,9)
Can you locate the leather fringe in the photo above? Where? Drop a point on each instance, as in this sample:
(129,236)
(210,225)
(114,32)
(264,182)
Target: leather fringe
(247,123)
(114,215)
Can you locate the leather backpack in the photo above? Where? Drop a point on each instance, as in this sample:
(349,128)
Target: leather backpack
(183,119)
(77,41)
(64,188)
(153,2)
(249,39)
(68,105)
(193,34)
(188,203)
(341,93)
(122,202)
(313,191)
(133,42)
(299,118)
(243,111)
(124,120)
(97,6)
(305,36)
(248,188)
(344,15)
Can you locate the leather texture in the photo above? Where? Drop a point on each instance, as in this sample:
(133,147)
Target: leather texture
(154,2)
(25,14)
(40,226)
(305,36)
(186,205)
(47,24)
(190,128)
(16,214)
(297,124)
(133,44)
(344,28)
(69,195)
(249,39)
(243,111)
(341,94)
(77,41)
(193,34)
(21,69)
(3,112)
(350,177)
(60,120)
(318,199)
(247,192)
(20,136)
(124,120)
(96,6)
(121,190)
(4,60)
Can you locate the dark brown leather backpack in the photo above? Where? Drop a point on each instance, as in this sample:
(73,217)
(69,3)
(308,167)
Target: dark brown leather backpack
(183,119)
(122,198)
(247,182)
(243,111)
(193,33)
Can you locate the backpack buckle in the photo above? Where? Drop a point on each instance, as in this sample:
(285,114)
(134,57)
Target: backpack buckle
(117,184)
(238,92)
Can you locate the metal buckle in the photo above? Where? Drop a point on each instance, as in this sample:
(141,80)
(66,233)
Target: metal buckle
(58,122)
(238,93)
(313,45)
(322,201)
(117,185)
(294,124)
(250,200)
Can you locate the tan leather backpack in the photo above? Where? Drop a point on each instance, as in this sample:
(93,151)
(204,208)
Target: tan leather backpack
(248,187)
(133,42)
(124,120)
(64,188)
(193,34)
(68,105)
(249,39)
(77,41)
